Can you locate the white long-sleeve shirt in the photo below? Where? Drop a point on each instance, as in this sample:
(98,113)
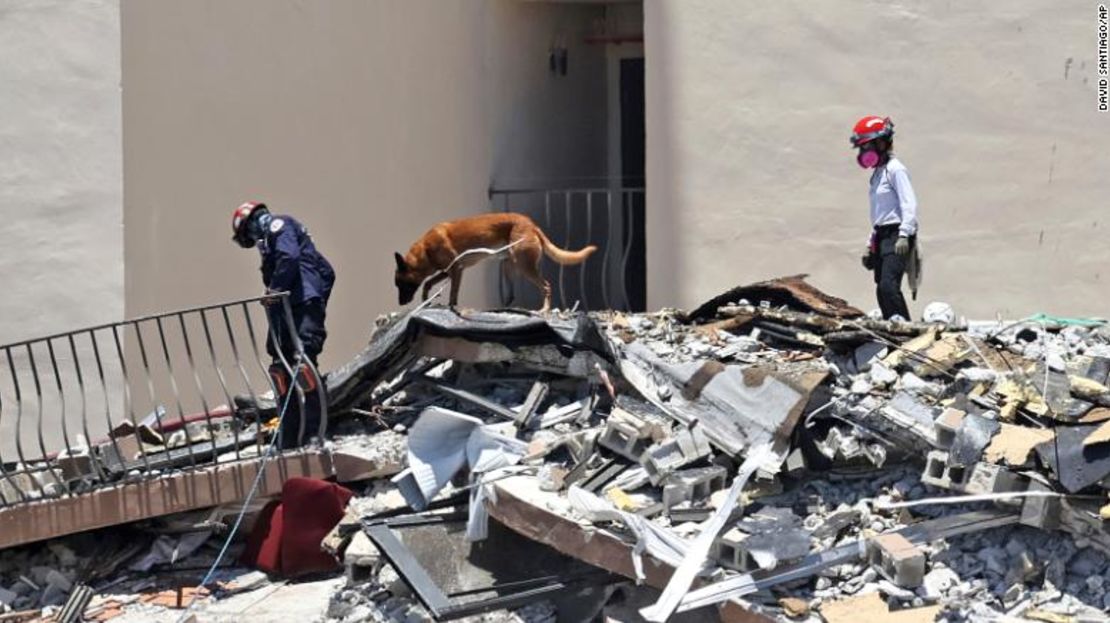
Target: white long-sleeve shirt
(892,198)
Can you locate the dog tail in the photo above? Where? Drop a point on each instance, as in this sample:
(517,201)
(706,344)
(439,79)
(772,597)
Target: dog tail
(562,256)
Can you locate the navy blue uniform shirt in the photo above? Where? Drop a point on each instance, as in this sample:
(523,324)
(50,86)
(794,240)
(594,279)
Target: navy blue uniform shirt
(291,263)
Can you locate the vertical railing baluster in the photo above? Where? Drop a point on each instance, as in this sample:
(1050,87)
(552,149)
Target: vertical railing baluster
(176,393)
(107,397)
(566,243)
(19,424)
(38,423)
(582,296)
(38,402)
(246,377)
(630,233)
(265,370)
(3,471)
(220,376)
(200,388)
(156,405)
(502,278)
(127,399)
(61,396)
(84,402)
(605,251)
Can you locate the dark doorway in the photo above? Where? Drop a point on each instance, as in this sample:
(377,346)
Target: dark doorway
(633,176)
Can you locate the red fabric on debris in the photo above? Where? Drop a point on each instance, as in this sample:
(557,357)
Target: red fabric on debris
(263,551)
(286,539)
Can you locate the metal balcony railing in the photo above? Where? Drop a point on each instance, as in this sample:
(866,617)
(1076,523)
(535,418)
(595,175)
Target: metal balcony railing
(611,218)
(86,409)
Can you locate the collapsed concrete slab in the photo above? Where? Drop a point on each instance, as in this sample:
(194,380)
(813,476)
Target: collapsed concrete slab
(524,509)
(203,487)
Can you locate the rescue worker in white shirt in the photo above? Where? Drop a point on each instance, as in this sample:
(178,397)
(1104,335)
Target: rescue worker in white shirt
(892,247)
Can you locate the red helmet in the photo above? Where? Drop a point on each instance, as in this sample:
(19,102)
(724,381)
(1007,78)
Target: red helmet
(239,219)
(870,128)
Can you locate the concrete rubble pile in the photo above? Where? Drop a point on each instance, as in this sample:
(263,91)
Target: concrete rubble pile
(790,457)
(774,454)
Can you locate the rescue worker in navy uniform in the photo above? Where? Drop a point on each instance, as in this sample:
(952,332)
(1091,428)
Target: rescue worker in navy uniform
(892,250)
(290,263)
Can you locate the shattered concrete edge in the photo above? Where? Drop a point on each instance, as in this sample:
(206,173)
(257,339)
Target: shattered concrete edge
(172,493)
(596,547)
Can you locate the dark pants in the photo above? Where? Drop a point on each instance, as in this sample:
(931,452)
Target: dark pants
(308,320)
(889,268)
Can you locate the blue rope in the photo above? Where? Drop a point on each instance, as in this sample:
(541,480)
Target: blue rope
(250,495)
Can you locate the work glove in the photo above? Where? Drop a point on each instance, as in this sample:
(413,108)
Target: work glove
(902,247)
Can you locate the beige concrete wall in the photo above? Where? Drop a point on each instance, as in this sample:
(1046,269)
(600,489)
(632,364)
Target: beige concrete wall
(370,121)
(61,205)
(750,175)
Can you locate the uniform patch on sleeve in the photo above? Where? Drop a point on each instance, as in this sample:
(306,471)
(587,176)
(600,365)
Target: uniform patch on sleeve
(276,225)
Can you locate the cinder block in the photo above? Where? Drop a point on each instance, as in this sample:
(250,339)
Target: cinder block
(896,559)
(690,485)
(685,447)
(941,475)
(626,434)
(946,425)
(990,478)
(1041,511)
(730,552)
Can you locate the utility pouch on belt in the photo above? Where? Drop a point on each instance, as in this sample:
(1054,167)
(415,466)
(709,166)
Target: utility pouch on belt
(306,380)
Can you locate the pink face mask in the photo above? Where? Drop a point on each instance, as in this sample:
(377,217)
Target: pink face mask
(868,159)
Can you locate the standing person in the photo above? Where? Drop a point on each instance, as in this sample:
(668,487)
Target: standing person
(290,263)
(892,249)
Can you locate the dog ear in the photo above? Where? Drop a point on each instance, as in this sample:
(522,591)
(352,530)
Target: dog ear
(400,261)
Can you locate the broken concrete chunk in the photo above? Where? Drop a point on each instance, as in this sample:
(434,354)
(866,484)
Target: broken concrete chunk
(938,581)
(362,558)
(882,376)
(1040,511)
(381,456)
(906,419)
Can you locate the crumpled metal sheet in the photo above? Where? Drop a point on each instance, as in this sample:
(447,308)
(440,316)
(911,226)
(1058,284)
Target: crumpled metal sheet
(736,407)
(775,534)
(437,451)
(1076,466)
(441,442)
